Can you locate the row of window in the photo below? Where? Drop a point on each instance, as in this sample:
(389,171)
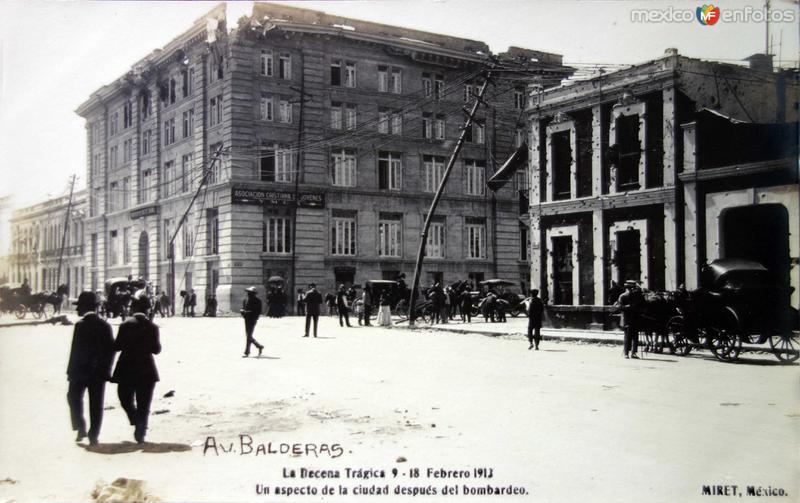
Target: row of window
(342,115)
(267,112)
(390,238)
(49,236)
(276,237)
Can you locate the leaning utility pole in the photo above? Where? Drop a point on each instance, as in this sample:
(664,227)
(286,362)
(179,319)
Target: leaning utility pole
(304,96)
(206,173)
(64,234)
(450,163)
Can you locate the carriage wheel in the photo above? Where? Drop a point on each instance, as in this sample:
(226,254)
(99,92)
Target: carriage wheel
(724,341)
(20,311)
(38,311)
(679,343)
(518,310)
(786,347)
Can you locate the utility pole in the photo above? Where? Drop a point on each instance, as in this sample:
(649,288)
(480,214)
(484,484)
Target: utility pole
(64,234)
(450,163)
(203,181)
(303,98)
(766,43)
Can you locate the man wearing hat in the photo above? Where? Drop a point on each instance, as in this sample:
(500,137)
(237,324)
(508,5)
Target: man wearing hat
(341,306)
(630,303)
(534,312)
(313,299)
(89,366)
(251,310)
(136,374)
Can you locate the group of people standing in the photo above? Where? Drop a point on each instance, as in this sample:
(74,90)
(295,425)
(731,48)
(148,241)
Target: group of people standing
(92,357)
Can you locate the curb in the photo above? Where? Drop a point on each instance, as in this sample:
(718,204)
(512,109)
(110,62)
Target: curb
(545,336)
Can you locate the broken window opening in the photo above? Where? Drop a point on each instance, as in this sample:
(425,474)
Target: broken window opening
(562,165)
(627,129)
(562,270)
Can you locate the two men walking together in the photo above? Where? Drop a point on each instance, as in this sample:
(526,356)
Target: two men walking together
(92,356)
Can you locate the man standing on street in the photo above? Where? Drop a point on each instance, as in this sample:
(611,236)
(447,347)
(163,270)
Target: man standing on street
(534,311)
(366,303)
(466,304)
(136,374)
(341,306)
(631,303)
(300,310)
(89,366)
(192,302)
(313,301)
(251,310)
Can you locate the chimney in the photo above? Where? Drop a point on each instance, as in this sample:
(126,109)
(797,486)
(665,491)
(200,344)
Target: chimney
(760,62)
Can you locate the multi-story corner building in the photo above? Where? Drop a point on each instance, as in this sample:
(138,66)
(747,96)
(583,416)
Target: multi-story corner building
(37,235)
(649,172)
(323,139)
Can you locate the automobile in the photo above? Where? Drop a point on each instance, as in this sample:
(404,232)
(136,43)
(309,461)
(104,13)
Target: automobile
(502,289)
(738,302)
(118,298)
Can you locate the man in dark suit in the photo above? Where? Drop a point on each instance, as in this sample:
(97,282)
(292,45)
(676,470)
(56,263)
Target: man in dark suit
(192,302)
(631,304)
(313,300)
(136,374)
(89,366)
(341,307)
(251,310)
(534,312)
(466,304)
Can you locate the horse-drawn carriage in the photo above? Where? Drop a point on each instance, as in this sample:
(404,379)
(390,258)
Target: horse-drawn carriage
(738,302)
(17,298)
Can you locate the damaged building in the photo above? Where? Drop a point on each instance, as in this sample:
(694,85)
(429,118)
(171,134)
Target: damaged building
(322,140)
(650,172)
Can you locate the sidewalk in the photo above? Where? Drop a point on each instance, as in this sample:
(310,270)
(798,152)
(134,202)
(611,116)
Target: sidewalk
(518,327)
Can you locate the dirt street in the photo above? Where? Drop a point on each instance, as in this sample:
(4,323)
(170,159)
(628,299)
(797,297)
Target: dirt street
(458,416)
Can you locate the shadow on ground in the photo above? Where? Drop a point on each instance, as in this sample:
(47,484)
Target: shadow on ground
(128,447)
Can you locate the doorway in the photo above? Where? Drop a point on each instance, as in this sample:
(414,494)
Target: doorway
(144,255)
(628,256)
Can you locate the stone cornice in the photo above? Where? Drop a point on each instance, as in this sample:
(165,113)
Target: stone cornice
(754,168)
(664,195)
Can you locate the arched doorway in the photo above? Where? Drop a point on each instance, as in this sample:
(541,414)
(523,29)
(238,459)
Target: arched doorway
(144,252)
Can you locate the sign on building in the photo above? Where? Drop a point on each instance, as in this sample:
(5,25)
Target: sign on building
(255,195)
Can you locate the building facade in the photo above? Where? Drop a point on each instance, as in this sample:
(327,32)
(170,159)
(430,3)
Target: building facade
(650,172)
(37,235)
(322,140)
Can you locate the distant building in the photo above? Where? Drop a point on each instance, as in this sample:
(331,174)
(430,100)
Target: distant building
(649,172)
(37,234)
(332,136)
(5,237)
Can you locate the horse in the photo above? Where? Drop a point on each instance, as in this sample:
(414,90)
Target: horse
(657,310)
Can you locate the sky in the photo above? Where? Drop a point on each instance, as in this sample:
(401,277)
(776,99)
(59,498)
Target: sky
(55,53)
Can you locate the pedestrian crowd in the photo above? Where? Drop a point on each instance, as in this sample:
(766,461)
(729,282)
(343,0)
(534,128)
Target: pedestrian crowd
(94,346)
